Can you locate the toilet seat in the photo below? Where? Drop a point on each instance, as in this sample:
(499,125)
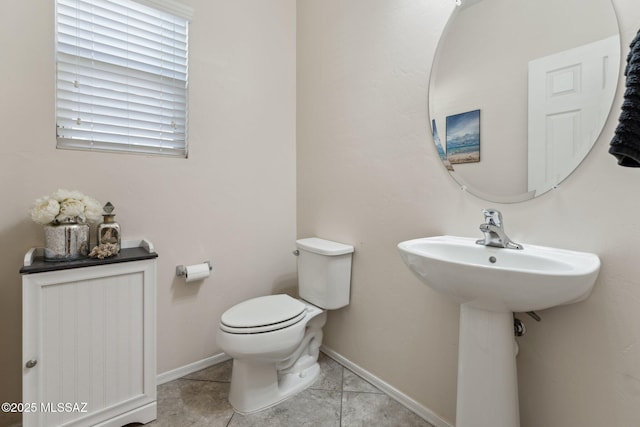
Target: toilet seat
(263,314)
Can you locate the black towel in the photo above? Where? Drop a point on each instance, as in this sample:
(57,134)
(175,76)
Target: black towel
(625,145)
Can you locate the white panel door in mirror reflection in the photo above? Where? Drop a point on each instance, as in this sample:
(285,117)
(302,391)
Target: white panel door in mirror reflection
(565,109)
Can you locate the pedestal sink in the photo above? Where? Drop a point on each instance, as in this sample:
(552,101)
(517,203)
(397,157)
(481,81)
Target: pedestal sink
(490,284)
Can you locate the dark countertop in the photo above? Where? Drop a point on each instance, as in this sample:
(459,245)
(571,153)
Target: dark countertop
(39,265)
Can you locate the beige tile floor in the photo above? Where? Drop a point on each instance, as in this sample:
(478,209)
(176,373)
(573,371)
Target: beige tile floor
(339,398)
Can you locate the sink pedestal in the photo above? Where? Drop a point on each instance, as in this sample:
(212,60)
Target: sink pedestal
(487,375)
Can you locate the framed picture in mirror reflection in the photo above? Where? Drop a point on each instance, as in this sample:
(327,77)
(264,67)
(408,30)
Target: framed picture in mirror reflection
(463,137)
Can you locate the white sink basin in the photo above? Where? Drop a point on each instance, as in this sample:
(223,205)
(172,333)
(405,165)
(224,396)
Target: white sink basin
(499,279)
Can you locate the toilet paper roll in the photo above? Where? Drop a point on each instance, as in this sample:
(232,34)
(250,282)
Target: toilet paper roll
(197,272)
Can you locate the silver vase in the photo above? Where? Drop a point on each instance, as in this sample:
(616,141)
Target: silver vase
(66,241)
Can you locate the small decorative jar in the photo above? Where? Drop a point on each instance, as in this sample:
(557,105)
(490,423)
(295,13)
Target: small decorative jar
(109,229)
(66,241)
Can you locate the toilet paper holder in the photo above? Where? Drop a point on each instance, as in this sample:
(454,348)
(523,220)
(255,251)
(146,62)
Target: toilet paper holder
(181,270)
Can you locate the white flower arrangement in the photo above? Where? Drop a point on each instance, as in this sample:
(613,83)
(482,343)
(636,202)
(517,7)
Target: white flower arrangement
(65,206)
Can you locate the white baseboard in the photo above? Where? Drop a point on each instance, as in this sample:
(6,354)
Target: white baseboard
(391,391)
(403,399)
(180,372)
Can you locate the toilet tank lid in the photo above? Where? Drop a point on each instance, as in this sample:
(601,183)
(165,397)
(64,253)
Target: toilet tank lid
(323,247)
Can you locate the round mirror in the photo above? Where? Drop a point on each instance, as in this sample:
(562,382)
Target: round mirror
(520,91)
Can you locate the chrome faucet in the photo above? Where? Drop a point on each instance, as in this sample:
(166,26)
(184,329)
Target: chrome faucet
(493,230)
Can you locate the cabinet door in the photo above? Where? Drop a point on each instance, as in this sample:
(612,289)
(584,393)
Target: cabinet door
(91,332)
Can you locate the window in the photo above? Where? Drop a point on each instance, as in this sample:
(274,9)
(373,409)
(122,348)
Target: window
(121,70)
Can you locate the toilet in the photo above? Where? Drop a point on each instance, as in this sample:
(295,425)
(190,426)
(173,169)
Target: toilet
(275,340)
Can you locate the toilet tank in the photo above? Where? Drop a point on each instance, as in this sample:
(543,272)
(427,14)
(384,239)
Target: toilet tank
(324,272)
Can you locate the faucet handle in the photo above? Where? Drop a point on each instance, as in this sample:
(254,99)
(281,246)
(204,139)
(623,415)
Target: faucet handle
(492,217)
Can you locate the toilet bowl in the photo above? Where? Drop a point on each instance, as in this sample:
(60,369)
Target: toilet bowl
(275,340)
(276,362)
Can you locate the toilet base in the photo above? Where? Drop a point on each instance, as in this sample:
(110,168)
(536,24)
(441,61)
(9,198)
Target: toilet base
(259,386)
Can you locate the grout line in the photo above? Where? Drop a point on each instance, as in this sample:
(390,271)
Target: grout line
(341,392)
(366,392)
(205,381)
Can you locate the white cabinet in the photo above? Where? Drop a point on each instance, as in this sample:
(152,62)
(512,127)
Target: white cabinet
(89,339)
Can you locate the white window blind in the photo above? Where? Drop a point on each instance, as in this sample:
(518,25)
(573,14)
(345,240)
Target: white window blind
(121,77)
